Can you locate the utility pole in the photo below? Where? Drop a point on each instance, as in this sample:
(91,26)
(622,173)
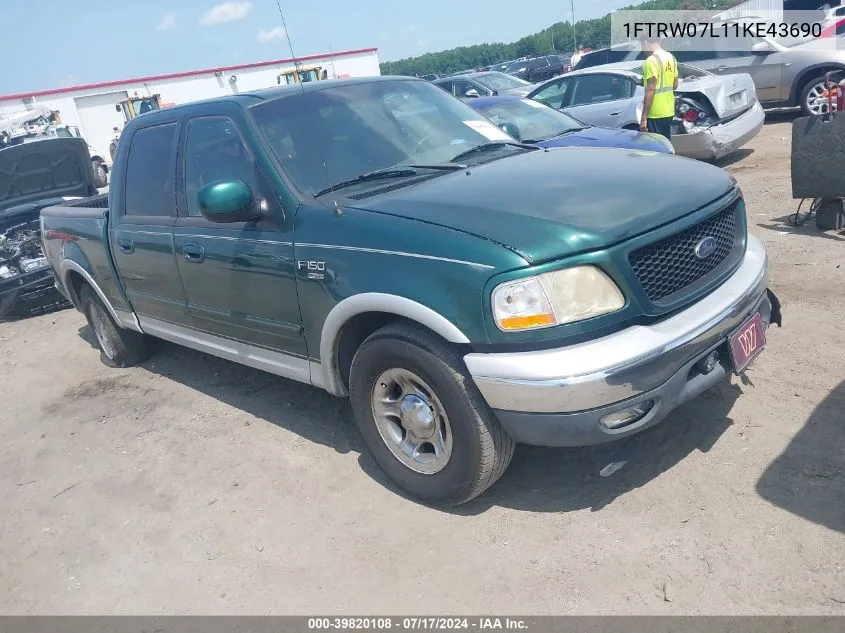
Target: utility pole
(574,35)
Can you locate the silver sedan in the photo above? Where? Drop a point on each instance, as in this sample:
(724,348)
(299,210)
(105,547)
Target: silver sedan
(715,115)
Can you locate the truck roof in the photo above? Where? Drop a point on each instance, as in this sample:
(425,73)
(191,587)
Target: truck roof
(252,97)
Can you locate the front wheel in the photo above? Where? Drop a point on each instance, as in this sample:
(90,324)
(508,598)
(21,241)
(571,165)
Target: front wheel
(423,419)
(118,347)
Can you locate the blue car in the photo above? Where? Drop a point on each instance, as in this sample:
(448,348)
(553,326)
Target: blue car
(532,122)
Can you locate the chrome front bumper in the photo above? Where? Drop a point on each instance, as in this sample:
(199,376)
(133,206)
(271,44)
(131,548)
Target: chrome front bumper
(720,140)
(556,397)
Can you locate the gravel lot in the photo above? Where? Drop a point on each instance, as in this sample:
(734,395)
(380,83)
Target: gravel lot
(193,485)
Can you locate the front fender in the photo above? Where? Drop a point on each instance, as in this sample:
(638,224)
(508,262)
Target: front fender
(375,302)
(367,262)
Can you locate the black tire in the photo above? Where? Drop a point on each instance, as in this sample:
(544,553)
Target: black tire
(7,304)
(805,92)
(480,450)
(100,173)
(126,348)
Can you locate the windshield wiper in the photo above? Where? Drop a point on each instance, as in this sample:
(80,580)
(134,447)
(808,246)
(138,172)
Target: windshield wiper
(572,131)
(558,135)
(389,172)
(491,145)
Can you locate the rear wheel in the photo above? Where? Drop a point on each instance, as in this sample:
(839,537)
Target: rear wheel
(423,419)
(118,347)
(100,173)
(813,100)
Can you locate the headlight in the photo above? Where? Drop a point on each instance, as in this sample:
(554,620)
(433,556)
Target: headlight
(556,298)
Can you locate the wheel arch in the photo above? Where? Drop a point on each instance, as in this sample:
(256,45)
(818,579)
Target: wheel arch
(359,316)
(808,73)
(73,275)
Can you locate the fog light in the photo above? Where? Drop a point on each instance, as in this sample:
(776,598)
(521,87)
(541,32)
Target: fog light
(625,417)
(708,364)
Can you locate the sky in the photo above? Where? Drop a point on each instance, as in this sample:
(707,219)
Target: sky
(72,42)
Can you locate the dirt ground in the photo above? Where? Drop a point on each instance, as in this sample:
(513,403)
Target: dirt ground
(192,485)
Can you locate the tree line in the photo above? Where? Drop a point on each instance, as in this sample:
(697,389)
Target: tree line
(556,39)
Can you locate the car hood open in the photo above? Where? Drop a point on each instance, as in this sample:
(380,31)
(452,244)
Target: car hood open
(554,203)
(46,170)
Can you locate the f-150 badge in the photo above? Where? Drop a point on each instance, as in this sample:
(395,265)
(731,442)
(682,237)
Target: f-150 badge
(316,269)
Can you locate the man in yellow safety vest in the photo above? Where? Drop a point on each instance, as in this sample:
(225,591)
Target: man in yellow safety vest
(660,80)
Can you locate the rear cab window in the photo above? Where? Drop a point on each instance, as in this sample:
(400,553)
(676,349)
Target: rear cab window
(150,186)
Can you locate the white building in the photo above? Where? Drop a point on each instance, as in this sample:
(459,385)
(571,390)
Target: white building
(92,106)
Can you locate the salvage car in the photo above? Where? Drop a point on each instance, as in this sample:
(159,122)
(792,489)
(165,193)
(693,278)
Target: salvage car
(34,175)
(378,238)
(484,85)
(532,122)
(786,74)
(714,116)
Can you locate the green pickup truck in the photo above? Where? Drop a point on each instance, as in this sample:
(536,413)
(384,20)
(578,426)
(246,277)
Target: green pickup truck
(381,240)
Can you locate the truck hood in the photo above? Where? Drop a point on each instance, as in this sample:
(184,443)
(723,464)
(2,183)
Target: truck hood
(554,203)
(719,89)
(32,173)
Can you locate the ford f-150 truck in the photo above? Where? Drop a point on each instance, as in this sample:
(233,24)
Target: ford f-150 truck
(375,238)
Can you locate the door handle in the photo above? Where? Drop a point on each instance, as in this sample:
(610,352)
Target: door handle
(127,246)
(615,113)
(194,253)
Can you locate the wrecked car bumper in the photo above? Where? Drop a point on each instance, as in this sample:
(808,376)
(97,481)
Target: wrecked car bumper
(723,139)
(29,294)
(569,396)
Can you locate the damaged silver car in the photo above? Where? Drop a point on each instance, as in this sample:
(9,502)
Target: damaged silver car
(33,176)
(715,115)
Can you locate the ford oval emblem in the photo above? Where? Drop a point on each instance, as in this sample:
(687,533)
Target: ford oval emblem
(706,247)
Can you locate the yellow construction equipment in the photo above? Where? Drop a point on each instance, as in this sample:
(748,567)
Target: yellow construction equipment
(136,105)
(302,74)
(130,108)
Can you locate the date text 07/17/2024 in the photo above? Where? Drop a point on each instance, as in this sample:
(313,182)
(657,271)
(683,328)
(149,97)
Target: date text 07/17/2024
(415,623)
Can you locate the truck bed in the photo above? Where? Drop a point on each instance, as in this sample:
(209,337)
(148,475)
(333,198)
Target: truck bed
(75,239)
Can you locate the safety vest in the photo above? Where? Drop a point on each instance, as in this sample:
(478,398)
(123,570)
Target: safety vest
(662,66)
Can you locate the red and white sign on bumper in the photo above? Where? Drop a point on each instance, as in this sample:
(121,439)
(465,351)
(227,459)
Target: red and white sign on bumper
(747,342)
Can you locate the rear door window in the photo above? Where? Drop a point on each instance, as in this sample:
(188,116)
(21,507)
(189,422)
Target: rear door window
(591,89)
(150,172)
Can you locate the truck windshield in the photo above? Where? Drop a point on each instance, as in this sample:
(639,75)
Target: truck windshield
(328,136)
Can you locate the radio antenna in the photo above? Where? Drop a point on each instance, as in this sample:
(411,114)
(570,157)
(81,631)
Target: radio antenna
(337,210)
